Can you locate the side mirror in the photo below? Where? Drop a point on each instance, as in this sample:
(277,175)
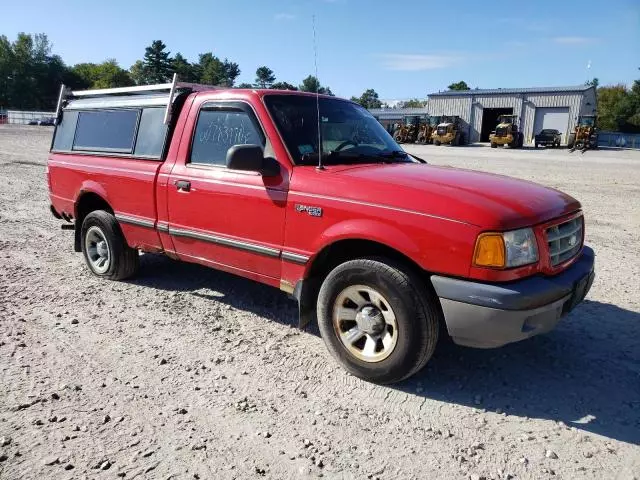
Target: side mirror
(250,158)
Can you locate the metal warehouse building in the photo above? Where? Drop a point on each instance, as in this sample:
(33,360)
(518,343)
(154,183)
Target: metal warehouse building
(538,108)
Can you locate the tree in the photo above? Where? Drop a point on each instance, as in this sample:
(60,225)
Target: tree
(107,74)
(185,70)
(264,77)
(413,103)
(245,85)
(283,86)
(312,84)
(461,85)
(593,82)
(609,100)
(157,63)
(30,76)
(369,99)
(136,72)
(619,108)
(231,72)
(217,72)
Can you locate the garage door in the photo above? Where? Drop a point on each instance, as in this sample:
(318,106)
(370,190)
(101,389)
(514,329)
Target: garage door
(556,118)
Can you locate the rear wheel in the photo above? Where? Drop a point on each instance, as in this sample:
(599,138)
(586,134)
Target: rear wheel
(378,319)
(436,143)
(105,249)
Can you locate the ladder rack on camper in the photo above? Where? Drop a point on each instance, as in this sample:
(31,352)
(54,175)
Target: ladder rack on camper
(66,93)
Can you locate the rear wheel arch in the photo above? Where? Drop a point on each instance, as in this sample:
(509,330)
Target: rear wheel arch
(86,203)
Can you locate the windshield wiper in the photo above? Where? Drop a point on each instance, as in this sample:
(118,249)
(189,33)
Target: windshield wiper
(394,154)
(350,157)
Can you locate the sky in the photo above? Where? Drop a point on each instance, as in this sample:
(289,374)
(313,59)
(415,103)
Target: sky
(402,49)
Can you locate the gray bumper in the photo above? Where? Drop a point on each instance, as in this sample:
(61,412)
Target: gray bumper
(487,315)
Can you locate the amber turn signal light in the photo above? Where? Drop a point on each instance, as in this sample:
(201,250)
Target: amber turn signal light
(490,251)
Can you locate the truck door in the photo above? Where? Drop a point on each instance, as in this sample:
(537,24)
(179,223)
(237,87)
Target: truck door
(232,220)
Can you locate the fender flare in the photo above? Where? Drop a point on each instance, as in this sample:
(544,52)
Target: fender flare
(88,187)
(366,230)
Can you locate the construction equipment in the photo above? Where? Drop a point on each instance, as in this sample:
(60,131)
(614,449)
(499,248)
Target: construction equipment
(407,132)
(584,135)
(425,133)
(448,132)
(507,132)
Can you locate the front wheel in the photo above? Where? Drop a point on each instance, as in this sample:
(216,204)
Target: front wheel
(494,145)
(105,249)
(378,319)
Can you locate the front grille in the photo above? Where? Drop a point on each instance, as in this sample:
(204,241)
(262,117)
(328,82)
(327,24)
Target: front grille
(564,240)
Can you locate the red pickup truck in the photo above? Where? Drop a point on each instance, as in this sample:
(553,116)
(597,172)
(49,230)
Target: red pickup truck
(311,195)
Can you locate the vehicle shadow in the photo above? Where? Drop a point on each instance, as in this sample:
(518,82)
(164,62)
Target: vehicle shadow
(586,373)
(161,272)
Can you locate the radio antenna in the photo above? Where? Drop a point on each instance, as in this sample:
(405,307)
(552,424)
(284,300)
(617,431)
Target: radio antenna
(315,61)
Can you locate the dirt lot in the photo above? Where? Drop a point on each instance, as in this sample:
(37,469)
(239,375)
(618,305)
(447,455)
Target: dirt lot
(186,372)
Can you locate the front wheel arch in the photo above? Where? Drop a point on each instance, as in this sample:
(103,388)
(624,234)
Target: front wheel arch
(341,251)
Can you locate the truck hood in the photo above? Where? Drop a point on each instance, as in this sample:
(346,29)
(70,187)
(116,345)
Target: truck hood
(486,200)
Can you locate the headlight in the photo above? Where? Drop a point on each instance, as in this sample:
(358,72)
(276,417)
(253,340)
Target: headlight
(506,250)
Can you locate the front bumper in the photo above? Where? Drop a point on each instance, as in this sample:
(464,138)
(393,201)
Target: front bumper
(486,315)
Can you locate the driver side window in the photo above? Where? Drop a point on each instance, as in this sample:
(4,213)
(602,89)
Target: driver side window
(217,130)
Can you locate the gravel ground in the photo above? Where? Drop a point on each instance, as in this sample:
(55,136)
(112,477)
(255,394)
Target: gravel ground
(185,372)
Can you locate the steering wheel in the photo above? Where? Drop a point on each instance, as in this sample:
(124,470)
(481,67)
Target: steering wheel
(344,144)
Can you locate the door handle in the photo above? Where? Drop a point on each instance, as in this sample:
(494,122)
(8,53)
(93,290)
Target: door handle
(183,185)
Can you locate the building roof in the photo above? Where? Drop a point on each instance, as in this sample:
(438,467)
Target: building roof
(512,91)
(392,113)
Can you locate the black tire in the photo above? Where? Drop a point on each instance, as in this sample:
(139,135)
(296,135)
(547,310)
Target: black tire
(416,309)
(437,143)
(123,261)
(494,145)
(535,145)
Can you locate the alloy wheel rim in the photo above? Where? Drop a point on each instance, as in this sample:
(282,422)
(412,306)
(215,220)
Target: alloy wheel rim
(98,251)
(365,323)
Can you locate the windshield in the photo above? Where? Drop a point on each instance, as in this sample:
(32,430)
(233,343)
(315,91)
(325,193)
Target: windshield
(587,121)
(349,132)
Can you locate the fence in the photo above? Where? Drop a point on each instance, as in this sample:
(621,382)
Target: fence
(620,140)
(21,117)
